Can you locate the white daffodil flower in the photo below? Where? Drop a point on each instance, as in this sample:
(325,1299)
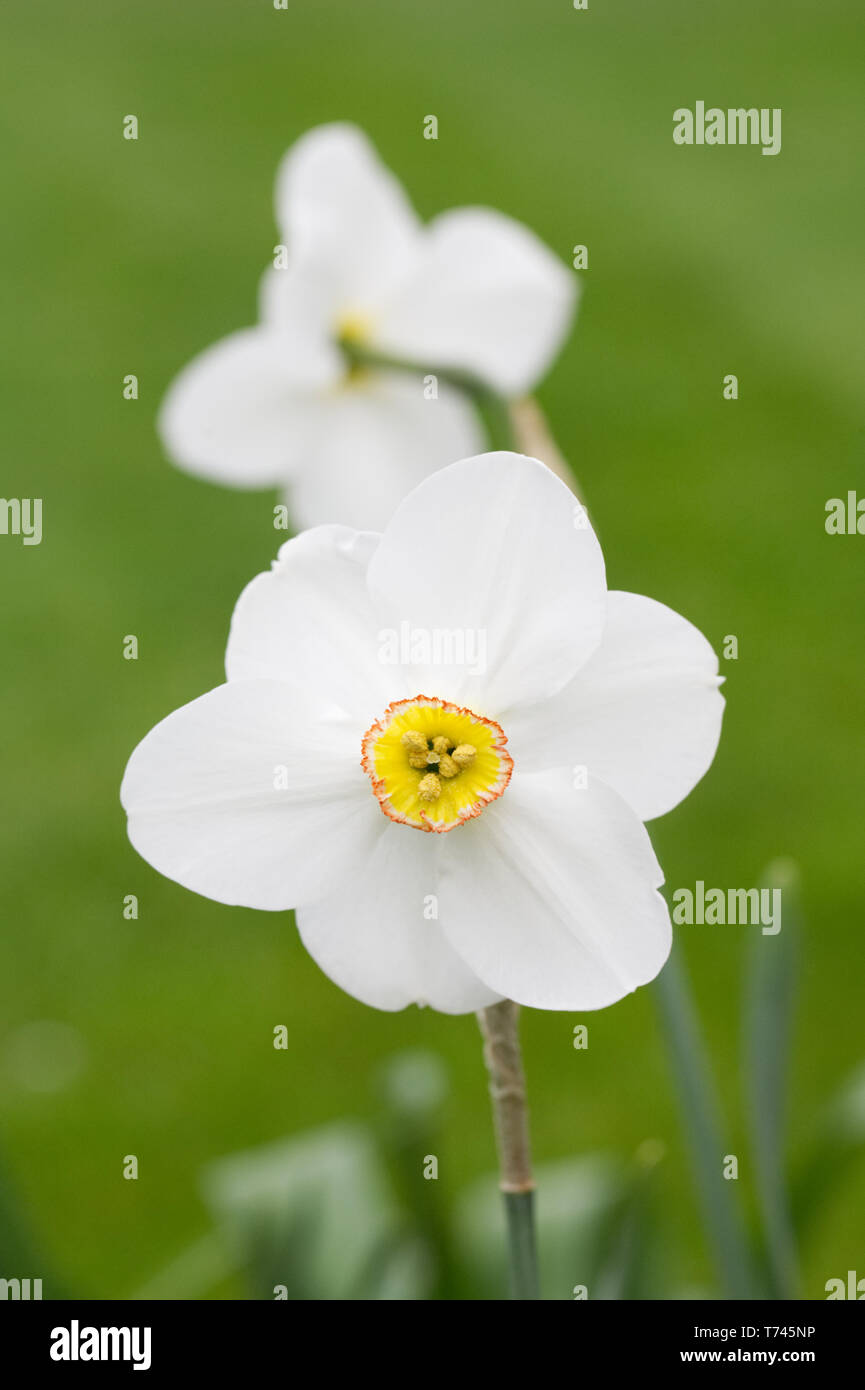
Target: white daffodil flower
(439,746)
(282,404)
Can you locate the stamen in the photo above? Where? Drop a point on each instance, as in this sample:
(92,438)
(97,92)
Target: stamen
(416,747)
(464,755)
(429,788)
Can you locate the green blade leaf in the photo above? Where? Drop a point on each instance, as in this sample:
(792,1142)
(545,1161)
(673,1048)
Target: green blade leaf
(700,1118)
(839,1141)
(313,1214)
(770,991)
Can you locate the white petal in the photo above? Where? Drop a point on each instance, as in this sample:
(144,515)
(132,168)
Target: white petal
(302,300)
(238,412)
(644,714)
(372,443)
(486,296)
(550,895)
(338,204)
(372,938)
(205,809)
(309,621)
(493,548)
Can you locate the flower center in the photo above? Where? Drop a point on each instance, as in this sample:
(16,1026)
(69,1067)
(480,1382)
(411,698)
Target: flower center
(353,328)
(352,333)
(435,765)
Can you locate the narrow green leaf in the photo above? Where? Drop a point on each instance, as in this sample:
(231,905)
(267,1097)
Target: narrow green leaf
(768,1015)
(313,1214)
(700,1118)
(839,1142)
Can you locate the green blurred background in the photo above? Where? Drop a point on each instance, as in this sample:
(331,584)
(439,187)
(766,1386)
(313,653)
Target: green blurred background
(123,257)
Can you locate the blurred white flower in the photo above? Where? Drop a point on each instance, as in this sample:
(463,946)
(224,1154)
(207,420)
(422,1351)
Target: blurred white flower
(280,403)
(305,780)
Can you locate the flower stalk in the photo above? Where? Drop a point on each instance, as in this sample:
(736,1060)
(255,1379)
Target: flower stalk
(507,1084)
(535,438)
(492,408)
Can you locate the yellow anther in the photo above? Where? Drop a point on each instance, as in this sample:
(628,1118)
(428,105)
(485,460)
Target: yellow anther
(440,760)
(429,788)
(464,755)
(415,746)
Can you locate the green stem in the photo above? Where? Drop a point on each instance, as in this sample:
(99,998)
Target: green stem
(721,1211)
(522,1244)
(504,1064)
(492,407)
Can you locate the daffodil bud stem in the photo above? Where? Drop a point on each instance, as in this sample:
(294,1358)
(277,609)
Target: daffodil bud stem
(499,1028)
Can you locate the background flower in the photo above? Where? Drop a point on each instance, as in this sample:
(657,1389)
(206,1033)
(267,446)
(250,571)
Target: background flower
(282,403)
